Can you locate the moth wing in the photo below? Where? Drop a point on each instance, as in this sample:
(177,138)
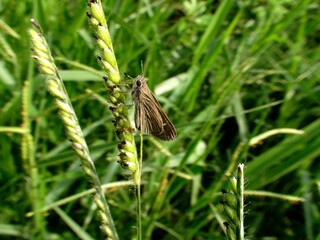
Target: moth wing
(151,118)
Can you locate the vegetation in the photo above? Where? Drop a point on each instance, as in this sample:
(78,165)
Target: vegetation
(240,82)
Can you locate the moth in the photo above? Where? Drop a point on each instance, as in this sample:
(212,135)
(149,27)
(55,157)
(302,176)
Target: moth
(149,116)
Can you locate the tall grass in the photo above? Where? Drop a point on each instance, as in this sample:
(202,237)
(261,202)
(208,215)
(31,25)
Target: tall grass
(226,72)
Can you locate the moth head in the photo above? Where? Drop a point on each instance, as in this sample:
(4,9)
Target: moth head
(139,81)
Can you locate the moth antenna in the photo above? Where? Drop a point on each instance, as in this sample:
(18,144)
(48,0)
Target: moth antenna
(142,71)
(127,75)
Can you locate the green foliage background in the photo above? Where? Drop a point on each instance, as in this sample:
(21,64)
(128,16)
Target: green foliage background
(225,71)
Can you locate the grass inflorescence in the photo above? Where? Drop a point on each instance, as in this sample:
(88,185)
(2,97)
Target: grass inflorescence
(233,204)
(74,133)
(116,97)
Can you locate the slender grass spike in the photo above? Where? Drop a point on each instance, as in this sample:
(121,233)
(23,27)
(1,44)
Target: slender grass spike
(149,116)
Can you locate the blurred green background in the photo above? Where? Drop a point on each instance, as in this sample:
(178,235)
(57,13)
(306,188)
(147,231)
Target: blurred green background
(224,71)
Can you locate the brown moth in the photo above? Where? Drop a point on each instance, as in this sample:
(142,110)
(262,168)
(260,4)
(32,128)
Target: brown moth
(149,116)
